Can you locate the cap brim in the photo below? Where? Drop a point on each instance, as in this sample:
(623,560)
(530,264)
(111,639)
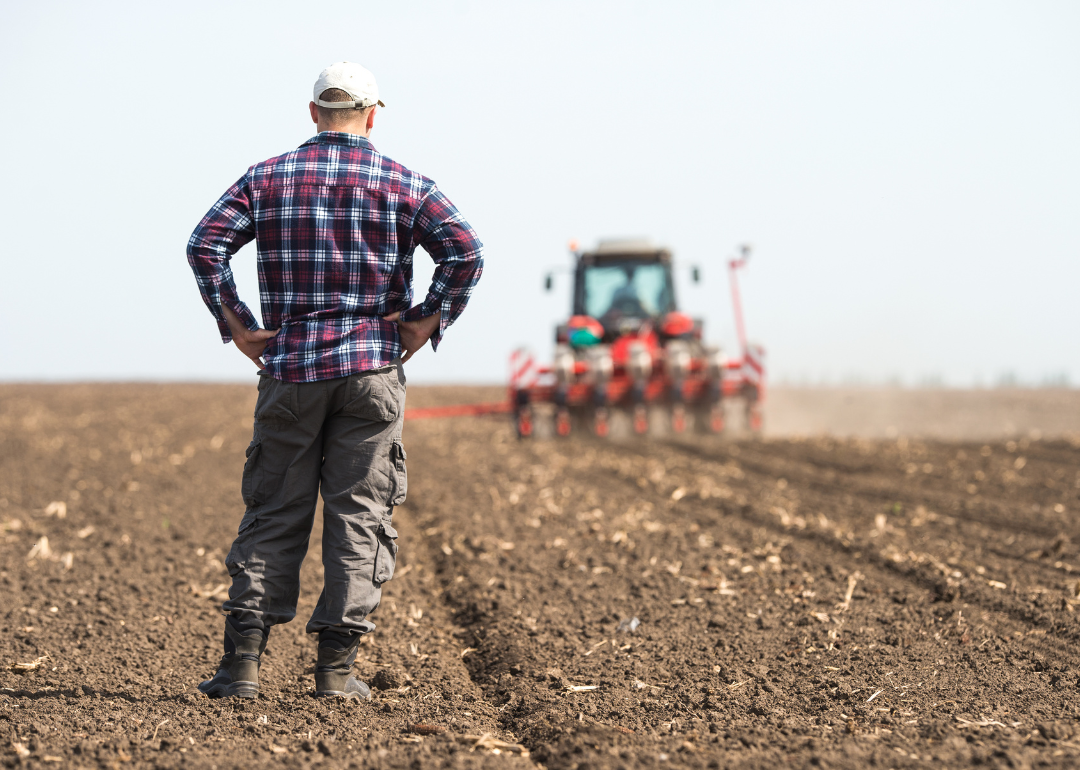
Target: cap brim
(347,105)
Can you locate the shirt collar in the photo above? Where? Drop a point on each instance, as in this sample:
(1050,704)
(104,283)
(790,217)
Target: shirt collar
(341,139)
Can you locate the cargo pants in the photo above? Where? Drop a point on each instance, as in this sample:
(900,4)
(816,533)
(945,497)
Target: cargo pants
(342,436)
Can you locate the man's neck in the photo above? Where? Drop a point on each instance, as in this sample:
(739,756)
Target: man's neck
(344,129)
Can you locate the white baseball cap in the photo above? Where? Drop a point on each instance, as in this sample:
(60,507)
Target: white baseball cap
(351,78)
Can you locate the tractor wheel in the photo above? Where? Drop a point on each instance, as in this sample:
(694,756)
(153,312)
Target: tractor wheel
(523,422)
(678,418)
(716,419)
(562,422)
(601,423)
(709,420)
(754,419)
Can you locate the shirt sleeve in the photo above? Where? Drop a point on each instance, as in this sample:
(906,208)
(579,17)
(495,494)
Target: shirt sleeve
(225,228)
(458,255)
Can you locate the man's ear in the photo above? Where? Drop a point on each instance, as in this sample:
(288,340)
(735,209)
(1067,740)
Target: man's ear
(314,110)
(371,118)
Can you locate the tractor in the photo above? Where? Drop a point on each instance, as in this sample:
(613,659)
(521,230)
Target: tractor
(627,349)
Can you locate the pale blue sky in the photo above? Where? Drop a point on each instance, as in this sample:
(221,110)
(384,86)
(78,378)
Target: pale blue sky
(908,172)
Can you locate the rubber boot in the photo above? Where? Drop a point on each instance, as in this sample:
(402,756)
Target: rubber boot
(238,672)
(333,671)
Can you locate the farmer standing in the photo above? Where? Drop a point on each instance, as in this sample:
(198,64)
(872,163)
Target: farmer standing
(335,224)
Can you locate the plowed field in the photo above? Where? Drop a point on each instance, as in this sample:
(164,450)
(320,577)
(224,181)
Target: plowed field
(812,602)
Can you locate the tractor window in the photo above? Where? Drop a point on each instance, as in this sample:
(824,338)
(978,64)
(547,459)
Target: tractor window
(630,290)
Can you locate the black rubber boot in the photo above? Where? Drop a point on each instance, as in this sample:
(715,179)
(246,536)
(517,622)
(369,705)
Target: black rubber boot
(333,671)
(238,672)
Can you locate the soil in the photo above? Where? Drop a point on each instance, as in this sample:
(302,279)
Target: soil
(997,413)
(830,602)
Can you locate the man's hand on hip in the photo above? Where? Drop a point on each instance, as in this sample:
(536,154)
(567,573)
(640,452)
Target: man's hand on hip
(251,343)
(414,334)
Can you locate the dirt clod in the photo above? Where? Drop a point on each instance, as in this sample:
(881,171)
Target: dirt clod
(388,679)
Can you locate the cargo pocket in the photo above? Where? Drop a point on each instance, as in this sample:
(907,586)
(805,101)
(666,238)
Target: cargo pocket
(247,486)
(399,476)
(386,555)
(258,485)
(277,400)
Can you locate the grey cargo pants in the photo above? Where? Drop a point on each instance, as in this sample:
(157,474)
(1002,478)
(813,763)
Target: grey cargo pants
(343,435)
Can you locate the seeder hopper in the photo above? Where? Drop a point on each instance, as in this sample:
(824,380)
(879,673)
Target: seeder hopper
(627,348)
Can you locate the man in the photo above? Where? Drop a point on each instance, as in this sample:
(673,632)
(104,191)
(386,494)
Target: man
(335,224)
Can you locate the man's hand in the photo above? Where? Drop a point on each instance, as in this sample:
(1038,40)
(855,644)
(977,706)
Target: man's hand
(414,334)
(251,343)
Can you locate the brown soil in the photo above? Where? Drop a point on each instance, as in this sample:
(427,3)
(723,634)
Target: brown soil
(519,561)
(999,413)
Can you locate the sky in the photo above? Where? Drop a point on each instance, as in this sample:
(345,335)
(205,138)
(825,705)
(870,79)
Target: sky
(908,173)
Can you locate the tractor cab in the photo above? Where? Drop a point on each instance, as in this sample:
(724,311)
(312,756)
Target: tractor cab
(622,284)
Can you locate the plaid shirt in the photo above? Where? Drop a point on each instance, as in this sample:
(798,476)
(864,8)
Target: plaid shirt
(335,224)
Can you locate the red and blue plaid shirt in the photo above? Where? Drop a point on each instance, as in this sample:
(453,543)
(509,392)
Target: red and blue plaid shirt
(335,224)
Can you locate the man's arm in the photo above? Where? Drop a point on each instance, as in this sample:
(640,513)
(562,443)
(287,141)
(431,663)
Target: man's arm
(458,256)
(225,228)
(251,342)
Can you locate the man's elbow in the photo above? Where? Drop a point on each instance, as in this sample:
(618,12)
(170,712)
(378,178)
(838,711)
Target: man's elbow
(201,254)
(475,255)
(478,265)
(194,250)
